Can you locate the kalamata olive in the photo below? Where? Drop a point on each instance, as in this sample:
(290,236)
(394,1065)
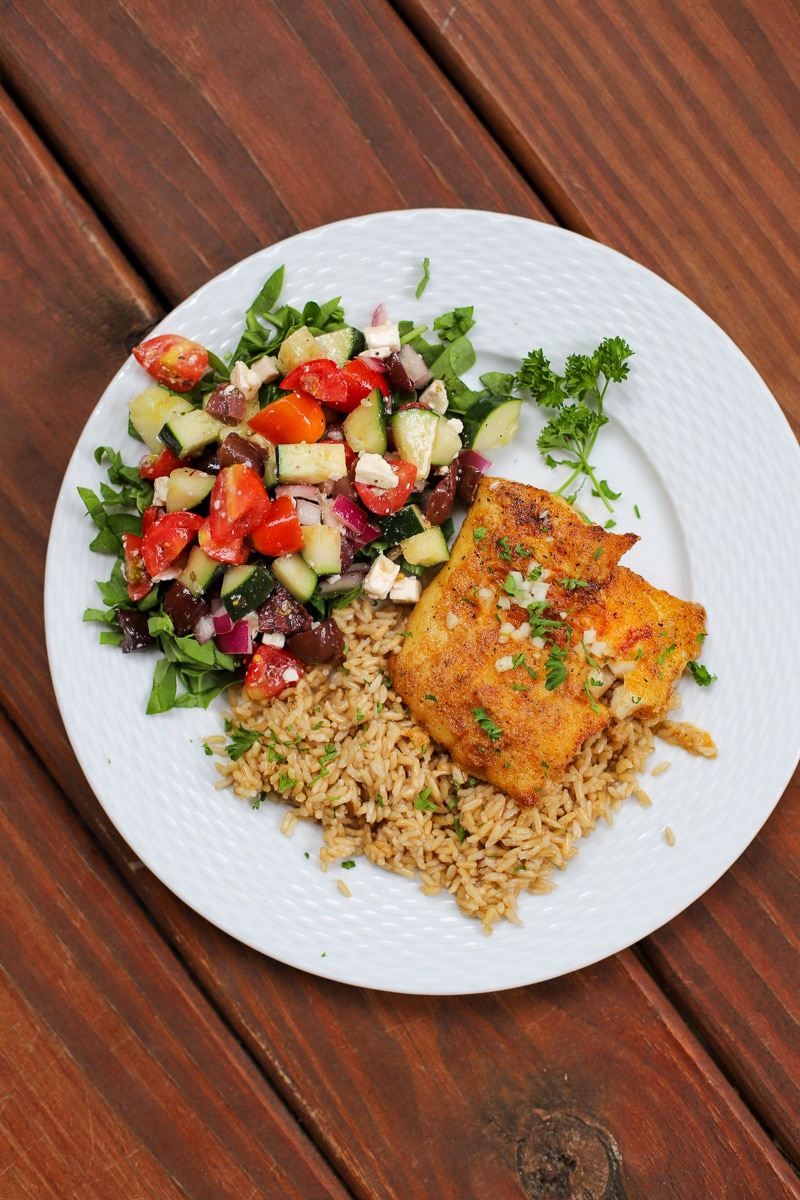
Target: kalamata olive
(396,373)
(281,613)
(237,449)
(439,504)
(344,487)
(184,609)
(468,481)
(207,461)
(134,627)
(319,644)
(227,404)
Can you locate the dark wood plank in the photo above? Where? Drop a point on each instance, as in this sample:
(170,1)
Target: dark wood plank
(671,133)
(591,1081)
(201,145)
(668,131)
(118,1079)
(411,1096)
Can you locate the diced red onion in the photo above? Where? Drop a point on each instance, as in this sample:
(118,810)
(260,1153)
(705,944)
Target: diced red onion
(471,458)
(373,361)
(223,622)
(204,629)
(336,584)
(380,316)
(415,366)
(308,491)
(350,514)
(308,513)
(170,572)
(355,519)
(238,641)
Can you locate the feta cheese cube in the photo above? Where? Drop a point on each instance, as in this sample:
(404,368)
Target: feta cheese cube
(380,577)
(406,590)
(374,471)
(247,381)
(266,368)
(160,489)
(385,337)
(274,639)
(435,396)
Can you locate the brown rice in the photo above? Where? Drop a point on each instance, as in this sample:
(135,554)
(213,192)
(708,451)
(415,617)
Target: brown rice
(340,748)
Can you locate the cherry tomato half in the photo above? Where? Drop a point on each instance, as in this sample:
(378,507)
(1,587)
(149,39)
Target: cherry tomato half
(151,514)
(235,551)
(281,533)
(239,503)
(322,379)
(383,501)
(361,380)
(173,360)
(295,417)
(271,670)
(136,574)
(153,466)
(165,539)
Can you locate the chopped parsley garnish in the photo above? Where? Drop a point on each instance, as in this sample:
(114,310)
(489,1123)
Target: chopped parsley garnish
(518,660)
(592,683)
(479,533)
(348,864)
(487,724)
(572,584)
(700,674)
(555,668)
(241,741)
(423,802)
(426,274)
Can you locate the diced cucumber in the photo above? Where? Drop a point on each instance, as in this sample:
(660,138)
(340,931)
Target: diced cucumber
(426,549)
(296,575)
(271,465)
(244,587)
(190,432)
(446,444)
(187,488)
(401,524)
(322,549)
(414,431)
(365,427)
(304,462)
(341,345)
(299,347)
(150,411)
(492,423)
(200,571)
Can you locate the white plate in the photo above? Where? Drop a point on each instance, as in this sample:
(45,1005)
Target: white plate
(696,441)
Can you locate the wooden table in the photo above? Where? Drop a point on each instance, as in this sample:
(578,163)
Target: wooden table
(145,148)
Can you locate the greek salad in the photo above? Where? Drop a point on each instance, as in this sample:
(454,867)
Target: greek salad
(316,462)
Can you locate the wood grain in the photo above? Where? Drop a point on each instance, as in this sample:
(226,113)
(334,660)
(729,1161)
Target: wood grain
(200,146)
(408,1096)
(664,129)
(118,1079)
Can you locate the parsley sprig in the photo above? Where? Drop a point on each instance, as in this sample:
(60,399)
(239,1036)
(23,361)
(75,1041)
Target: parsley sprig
(578,397)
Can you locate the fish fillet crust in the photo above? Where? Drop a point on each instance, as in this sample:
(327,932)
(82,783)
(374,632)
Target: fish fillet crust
(516,649)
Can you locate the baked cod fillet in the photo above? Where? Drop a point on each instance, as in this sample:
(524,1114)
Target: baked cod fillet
(516,649)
